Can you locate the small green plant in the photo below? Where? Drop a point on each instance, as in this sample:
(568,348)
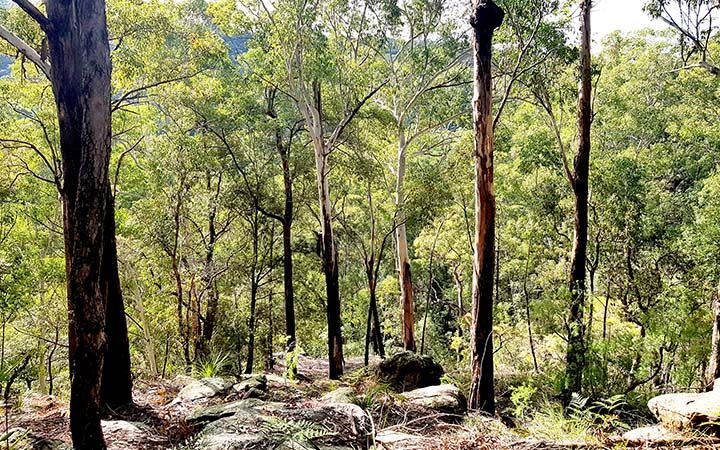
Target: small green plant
(522,397)
(550,422)
(297,433)
(371,398)
(211,365)
(291,363)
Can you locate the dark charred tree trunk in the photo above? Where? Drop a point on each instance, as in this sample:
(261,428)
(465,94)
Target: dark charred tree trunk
(576,328)
(332,284)
(373,257)
(329,250)
(208,276)
(486,17)
(254,287)
(373,331)
(286,220)
(116,387)
(81,72)
(251,329)
(269,343)
(289,291)
(377,335)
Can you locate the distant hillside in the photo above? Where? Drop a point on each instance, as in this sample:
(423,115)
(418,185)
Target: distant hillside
(5,62)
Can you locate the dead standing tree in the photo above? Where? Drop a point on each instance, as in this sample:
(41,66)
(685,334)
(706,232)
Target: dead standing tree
(486,17)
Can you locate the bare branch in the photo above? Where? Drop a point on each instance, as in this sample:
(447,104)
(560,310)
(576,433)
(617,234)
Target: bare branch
(136,93)
(349,117)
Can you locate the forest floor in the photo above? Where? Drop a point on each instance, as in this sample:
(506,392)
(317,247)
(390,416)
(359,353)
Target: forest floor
(163,426)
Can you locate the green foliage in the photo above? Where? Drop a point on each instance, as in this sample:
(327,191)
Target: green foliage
(211,365)
(211,118)
(298,432)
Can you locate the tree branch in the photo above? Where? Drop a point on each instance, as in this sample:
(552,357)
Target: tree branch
(35,14)
(25,49)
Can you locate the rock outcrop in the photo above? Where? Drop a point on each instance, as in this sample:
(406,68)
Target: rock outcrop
(688,412)
(442,398)
(407,371)
(255,424)
(203,389)
(342,394)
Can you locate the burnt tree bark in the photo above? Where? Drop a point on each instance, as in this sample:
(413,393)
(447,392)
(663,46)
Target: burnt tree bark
(486,17)
(77,63)
(81,71)
(116,386)
(575,358)
(407,297)
(287,220)
(254,288)
(329,249)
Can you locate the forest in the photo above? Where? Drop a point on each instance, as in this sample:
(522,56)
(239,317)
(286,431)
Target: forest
(358,224)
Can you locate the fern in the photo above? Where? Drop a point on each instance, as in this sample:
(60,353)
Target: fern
(283,431)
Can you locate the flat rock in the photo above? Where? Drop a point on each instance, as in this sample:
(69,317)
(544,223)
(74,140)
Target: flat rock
(654,433)
(688,412)
(443,398)
(343,394)
(253,424)
(407,371)
(123,427)
(230,441)
(252,382)
(212,413)
(396,440)
(203,389)
(657,435)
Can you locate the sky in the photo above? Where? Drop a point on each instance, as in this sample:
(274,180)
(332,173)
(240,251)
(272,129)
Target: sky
(623,15)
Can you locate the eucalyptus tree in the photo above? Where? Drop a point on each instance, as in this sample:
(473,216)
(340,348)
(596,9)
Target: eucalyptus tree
(486,16)
(530,30)
(77,38)
(692,20)
(424,62)
(327,52)
(579,180)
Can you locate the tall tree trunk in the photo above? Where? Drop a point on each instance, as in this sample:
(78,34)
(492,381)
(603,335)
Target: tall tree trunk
(81,72)
(403,259)
(330,269)
(373,333)
(576,327)
(486,17)
(208,277)
(329,250)
(289,291)
(377,336)
(116,388)
(254,286)
(460,307)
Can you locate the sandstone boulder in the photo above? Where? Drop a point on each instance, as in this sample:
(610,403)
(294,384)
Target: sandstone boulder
(407,371)
(442,398)
(688,412)
(203,389)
